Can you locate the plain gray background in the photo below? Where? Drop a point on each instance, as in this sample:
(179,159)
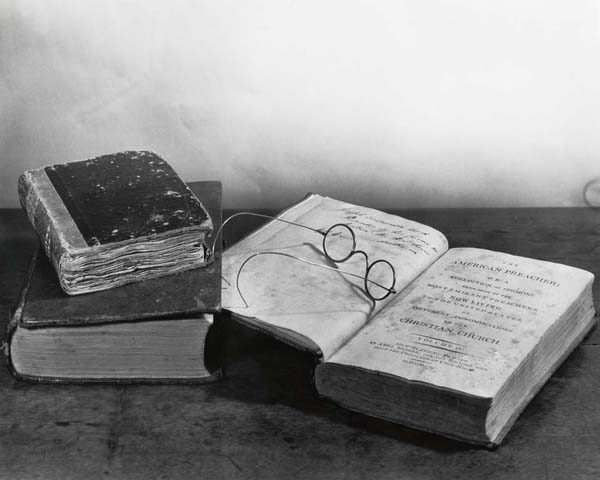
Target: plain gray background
(386,103)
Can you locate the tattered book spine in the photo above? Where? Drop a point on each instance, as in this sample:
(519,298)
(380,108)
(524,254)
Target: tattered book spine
(40,216)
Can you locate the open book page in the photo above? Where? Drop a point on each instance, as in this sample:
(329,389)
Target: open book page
(468,321)
(325,306)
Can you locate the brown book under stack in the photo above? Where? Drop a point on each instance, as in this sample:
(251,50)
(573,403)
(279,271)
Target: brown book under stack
(157,330)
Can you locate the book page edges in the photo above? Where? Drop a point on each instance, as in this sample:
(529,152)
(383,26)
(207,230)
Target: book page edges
(482,402)
(411,381)
(16,325)
(536,387)
(213,377)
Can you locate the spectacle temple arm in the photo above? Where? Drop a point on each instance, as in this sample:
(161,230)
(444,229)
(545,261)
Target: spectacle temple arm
(260,215)
(237,279)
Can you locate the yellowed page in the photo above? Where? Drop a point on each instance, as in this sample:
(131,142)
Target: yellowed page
(468,321)
(323,305)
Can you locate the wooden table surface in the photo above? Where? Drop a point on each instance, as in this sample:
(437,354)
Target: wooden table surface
(264,420)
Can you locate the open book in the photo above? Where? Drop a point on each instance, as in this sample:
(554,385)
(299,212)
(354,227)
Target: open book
(460,350)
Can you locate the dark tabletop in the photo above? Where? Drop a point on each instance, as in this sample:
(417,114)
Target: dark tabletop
(264,420)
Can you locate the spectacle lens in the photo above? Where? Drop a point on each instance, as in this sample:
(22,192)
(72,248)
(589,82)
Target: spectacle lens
(339,243)
(380,279)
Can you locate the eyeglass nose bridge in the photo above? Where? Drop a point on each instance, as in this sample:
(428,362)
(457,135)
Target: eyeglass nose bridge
(368,267)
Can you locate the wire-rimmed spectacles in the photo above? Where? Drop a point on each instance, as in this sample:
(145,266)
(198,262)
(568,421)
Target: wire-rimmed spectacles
(339,245)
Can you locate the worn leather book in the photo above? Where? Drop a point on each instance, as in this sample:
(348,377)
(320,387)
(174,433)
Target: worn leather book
(460,342)
(115,219)
(158,330)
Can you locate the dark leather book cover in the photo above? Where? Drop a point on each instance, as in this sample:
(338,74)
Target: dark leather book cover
(125,195)
(103,221)
(44,304)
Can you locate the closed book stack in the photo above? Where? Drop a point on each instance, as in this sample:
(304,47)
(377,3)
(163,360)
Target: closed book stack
(158,330)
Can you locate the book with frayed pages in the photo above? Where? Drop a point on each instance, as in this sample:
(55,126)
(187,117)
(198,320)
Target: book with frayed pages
(115,219)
